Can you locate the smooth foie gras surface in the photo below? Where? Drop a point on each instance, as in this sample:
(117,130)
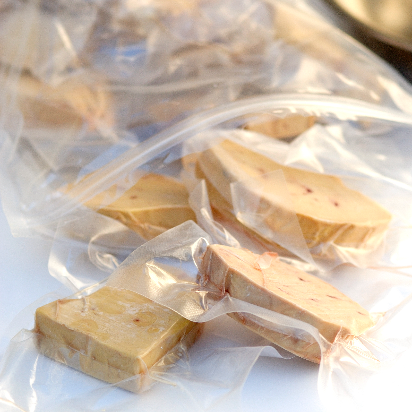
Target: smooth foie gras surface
(112,334)
(265,281)
(224,214)
(154,204)
(280,128)
(327,210)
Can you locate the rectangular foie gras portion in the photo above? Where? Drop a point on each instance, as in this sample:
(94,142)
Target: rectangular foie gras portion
(265,281)
(327,210)
(154,204)
(113,335)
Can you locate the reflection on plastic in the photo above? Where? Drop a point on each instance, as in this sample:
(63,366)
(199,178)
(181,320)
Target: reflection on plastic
(193,381)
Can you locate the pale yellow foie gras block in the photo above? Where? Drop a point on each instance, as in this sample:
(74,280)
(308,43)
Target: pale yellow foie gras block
(327,210)
(267,282)
(113,335)
(154,204)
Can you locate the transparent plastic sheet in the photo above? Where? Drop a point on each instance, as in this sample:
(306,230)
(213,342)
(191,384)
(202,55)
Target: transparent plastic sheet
(212,373)
(157,44)
(43,208)
(116,73)
(88,247)
(267,208)
(45,39)
(68,389)
(340,144)
(35,168)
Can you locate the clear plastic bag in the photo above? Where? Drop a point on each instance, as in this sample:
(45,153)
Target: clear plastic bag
(119,73)
(143,98)
(207,377)
(273,203)
(349,144)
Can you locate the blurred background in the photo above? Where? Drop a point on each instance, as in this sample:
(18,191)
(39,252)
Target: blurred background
(384,26)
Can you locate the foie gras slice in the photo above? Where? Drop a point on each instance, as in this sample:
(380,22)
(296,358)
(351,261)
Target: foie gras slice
(66,106)
(281,128)
(265,281)
(153,205)
(327,210)
(117,334)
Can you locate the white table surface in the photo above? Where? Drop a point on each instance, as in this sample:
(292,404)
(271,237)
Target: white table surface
(273,384)
(24,276)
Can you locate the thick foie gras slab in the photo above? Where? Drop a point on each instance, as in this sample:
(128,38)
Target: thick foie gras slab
(154,204)
(112,334)
(224,214)
(327,210)
(265,281)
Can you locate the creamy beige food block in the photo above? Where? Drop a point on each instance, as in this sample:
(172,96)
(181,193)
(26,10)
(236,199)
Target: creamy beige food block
(154,204)
(223,214)
(65,106)
(112,334)
(265,281)
(281,128)
(327,210)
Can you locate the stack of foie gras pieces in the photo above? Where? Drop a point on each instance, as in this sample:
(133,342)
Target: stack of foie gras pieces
(39,66)
(117,334)
(326,210)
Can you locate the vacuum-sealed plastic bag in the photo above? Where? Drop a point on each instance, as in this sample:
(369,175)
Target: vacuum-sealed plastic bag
(147,119)
(166,270)
(320,197)
(116,73)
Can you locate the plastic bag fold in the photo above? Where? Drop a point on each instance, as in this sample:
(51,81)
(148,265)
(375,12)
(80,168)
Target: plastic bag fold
(167,274)
(115,74)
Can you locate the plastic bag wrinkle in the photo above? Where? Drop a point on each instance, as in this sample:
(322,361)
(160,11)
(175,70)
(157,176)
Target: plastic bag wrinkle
(178,264)
(304,46)
(105,30)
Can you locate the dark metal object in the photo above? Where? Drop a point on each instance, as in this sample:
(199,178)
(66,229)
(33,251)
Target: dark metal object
(384,26)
